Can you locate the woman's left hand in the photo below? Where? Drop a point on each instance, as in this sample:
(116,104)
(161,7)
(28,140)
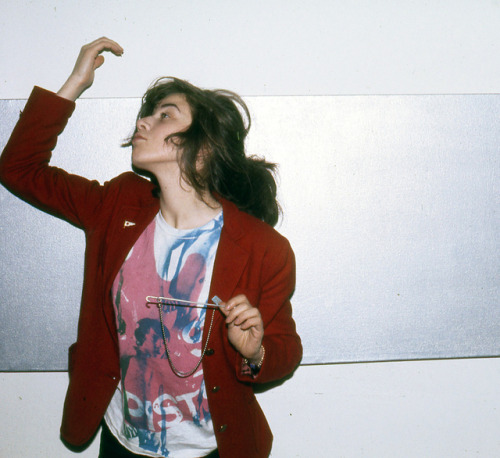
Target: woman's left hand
(245,327)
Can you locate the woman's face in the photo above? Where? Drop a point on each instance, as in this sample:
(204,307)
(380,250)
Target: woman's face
(150,151)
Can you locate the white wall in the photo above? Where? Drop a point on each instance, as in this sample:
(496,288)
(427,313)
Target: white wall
(416,409)
(407,409)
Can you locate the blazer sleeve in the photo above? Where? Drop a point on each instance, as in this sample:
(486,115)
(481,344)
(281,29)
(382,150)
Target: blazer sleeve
(24,164)
(283,347)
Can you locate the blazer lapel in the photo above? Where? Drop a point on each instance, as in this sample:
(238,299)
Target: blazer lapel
(124,231)
(230,261)
(229,264)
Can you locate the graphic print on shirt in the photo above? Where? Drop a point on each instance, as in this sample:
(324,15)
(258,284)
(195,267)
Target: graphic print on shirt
(162,411)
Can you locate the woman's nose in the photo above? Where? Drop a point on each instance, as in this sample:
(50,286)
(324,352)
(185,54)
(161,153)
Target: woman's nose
(142,124)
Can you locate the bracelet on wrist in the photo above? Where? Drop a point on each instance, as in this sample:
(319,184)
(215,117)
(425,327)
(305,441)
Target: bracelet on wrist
(256,367)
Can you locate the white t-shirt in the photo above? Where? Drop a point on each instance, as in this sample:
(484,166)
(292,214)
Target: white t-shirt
(154,412)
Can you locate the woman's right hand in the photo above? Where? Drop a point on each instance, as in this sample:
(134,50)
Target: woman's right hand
(89,59)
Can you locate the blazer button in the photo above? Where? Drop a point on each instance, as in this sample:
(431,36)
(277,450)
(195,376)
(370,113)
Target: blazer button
(215,389)
(222,428)
(210,352)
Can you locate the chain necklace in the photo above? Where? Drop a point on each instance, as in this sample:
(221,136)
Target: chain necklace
(176,371)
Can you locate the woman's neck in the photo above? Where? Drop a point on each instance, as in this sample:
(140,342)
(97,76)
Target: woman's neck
(183,208)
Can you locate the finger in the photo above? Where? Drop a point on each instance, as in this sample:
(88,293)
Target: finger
(227,307)
(99,60)
(250,323)
(236,301)
(105,44)
(241,314)
(249,319)
(235,311)
(222,308)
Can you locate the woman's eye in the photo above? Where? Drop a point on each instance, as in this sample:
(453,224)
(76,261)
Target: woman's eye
(163,115)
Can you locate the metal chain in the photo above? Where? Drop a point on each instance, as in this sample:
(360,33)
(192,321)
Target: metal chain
(174,369)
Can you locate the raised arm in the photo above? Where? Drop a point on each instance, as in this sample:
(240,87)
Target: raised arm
(89,59)
(24,164)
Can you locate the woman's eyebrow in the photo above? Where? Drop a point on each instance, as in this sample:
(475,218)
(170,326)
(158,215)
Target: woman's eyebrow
(167,105)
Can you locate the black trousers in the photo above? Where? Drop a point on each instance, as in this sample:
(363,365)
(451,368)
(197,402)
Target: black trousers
(111,448)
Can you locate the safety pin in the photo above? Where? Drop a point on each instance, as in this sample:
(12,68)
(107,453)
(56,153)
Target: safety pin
(159,300)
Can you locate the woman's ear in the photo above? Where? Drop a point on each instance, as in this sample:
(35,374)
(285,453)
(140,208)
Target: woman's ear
(202,157)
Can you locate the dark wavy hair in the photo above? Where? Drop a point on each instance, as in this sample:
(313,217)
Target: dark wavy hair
(221,122)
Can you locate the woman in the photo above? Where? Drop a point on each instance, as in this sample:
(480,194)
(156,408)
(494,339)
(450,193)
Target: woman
(167,377)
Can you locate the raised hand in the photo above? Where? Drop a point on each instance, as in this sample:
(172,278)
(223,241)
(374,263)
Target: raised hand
(89,59)
(245,327)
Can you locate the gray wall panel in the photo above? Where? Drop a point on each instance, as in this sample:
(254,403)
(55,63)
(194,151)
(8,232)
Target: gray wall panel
(391,205)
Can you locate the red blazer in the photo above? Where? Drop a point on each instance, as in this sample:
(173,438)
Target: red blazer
(252,258)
